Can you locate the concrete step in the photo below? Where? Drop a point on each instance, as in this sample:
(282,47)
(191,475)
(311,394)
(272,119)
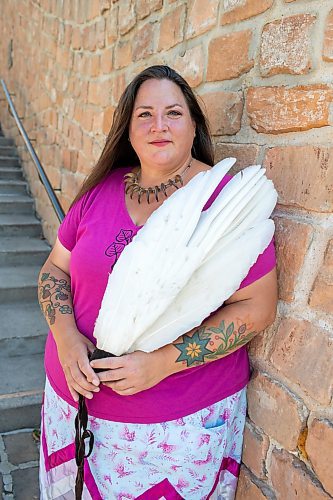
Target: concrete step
(9,161)
(21,410)
(18,284)
(8,150)
(13,187)
(10,173)
(25,322)
(16,204)
(19,225)
(4,141)
(20,250)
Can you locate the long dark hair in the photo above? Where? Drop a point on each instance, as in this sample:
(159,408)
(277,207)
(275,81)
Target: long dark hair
(118,151)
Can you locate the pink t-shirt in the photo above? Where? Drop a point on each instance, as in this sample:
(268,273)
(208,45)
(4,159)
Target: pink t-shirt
(95,231)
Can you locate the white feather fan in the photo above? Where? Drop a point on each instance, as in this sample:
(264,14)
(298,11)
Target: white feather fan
(184,263)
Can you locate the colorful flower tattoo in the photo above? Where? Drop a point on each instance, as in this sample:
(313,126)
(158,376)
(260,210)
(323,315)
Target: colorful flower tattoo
(209,343)
(51,292)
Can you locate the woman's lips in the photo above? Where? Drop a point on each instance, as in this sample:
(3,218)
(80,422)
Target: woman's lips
(160,143)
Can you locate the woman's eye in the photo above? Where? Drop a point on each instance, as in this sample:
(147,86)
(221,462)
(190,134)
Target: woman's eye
(174,112)
(144,114)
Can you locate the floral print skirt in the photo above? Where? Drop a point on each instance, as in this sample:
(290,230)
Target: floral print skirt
(194,457)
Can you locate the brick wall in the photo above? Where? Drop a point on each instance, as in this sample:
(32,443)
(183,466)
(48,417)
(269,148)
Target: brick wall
(264,71)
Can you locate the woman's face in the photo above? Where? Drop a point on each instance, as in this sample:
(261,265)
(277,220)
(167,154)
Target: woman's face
(161,128)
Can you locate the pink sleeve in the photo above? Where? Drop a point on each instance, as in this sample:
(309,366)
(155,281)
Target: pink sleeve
(68,228)
(265,262)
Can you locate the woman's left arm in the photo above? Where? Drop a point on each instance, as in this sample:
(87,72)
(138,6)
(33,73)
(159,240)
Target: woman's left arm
(246,313)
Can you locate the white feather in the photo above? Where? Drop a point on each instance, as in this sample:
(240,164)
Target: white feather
(167,278)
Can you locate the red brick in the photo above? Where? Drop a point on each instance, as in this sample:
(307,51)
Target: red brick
(255,450)
(224,111)
(146,7)
(143,42)
(123,54)
(201,17)
(286,46)
(321,296)
(117,88)
(94,65)
(246,489)
(303,352)
(107,60)
(319,447)
(235,11)
(228,56)
(100,33)
(246,154)
(76,38)
(292,240)
(328,39)
(273,110)
(191,65)
(275,410)
(291,480)
(111,28)
(303,176)
(172,28)
(126,18)
(107,119)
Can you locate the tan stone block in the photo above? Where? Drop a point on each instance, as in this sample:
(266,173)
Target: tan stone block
(303,352)
(201,17)
(286,46)
(107,60)
(127,17)
(238,10)
(99,92)
(228,56)
(117,88)
(224,111)
(94,65)
(246,489)
(191,65)
(302,175)
(143,42)
(274,110)
(321,296)
(146,7)
(100,33)
(76,38)
(255,450)
(319,447)
(275,410)
(291,480)
(87,145)
(107,119)
(246,154)
(123,54)
(171,28)
(292,240)
(111,27)
(328,38)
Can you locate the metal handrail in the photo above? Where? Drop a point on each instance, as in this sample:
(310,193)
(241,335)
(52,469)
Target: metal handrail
(42,175)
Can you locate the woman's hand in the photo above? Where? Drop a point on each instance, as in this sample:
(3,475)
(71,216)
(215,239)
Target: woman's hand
(73,355)
(131,373)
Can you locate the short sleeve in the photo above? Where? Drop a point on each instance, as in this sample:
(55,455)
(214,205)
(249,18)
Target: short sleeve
(67,231)
(264,264)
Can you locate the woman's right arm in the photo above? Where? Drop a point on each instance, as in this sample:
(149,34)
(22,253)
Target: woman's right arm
(55,299)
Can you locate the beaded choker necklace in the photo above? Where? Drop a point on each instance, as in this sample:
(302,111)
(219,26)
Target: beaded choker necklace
(132,185)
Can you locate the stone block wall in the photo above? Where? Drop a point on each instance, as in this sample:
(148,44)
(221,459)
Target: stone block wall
(264,72)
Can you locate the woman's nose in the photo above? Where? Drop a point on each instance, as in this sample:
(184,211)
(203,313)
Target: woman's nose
(159,123)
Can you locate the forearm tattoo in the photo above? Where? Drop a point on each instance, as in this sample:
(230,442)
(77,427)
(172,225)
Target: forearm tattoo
(208,343)
(51,293)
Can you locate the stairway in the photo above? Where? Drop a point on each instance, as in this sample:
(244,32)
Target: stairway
(22,327)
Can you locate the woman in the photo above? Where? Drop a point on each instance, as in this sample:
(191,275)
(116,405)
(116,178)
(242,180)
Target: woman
(167,423)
